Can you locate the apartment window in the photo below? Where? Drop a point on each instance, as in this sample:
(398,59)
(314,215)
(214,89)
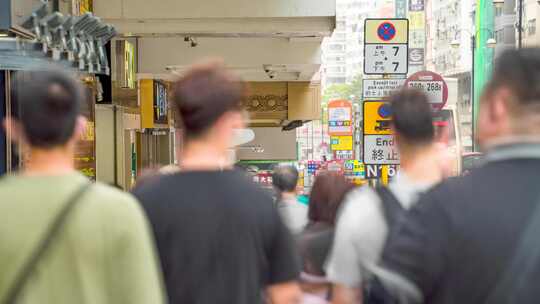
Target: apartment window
(498,11)
(531,27)
(336,47)
(334,80)
(499,36)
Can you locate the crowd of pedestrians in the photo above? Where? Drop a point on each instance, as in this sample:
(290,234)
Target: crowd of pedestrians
(204,233)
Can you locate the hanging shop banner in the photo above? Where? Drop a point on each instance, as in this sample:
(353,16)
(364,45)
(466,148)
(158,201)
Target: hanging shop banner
(380,88)
(380,150)
(386,46)
(433,85)
(377,118)
(340,118)
(416,5)
(342,142)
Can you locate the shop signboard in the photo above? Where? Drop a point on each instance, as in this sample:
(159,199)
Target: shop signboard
(344,154)
(386,46)
(342,142)
(160,103)
(401,8)
(377,118)
(355,168)
(417,20)
(416,5)
(380,88)
(416,56)
(340,118)
(433,85)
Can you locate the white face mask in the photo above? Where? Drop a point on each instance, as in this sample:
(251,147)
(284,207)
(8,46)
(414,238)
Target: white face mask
(242,136)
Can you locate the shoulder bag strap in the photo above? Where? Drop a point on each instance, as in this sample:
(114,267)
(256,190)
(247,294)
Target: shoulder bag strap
(525,261)
(41,248)
(392,208)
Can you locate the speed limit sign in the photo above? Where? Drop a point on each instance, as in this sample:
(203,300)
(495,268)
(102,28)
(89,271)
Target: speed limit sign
(433,85)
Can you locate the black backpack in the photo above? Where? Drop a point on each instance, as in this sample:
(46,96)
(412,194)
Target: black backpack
(374,291)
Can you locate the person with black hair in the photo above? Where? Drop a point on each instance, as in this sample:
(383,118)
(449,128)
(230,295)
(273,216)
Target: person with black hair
(219,236)
(65,239)
(474,239)
(293,213)
(363,225)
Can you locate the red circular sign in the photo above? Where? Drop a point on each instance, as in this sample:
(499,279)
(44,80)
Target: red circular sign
(386,31)
(433,85)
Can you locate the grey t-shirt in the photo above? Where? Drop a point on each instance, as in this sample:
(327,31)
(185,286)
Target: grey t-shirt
(362,231)
(294,214)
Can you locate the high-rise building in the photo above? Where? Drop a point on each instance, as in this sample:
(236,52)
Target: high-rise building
(343,53)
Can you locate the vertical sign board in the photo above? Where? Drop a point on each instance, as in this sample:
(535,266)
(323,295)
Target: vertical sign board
(3,135)
(401,8)
(386,46)
(340,118)
(379,143)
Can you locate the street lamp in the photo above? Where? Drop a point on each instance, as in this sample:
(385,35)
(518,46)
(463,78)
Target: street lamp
(490,43)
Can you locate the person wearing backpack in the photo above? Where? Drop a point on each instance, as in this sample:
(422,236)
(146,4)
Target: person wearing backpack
(64,239)
(475,239)
(369,214)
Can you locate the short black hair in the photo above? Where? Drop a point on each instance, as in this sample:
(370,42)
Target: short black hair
(204,94)
(412,116)
(519,71)
(285,178)
(47,104)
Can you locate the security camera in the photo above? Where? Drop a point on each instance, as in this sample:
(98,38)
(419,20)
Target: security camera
(194,44)
(271,76)
(187,38)
(268,71)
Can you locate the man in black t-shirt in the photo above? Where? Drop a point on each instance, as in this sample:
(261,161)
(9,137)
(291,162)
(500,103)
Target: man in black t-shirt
(458,243)
(219,236)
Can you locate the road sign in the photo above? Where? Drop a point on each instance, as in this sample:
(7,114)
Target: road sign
(377,118)
(342,142)
(380,150)
(375,171)
(386,46)
(433,85)
(380,88)
(340,117)
(386,31)
(385,59)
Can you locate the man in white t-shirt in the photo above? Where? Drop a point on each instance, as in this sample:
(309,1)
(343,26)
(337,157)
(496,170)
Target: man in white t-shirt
(362,227)
(293,213)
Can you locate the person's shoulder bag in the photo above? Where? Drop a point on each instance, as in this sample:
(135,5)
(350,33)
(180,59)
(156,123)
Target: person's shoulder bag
(374,291)
(28,267)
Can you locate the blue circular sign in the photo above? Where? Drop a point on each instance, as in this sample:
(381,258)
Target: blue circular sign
(385,111)
(386,31)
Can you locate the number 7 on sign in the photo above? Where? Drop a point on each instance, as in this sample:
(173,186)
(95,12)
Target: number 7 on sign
(396,49)
(396,65)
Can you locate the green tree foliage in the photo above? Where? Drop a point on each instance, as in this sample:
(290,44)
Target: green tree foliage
(344,91)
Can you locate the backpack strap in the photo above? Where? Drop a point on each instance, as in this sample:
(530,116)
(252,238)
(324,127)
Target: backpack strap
(53,230)
(392,208)
(522,266)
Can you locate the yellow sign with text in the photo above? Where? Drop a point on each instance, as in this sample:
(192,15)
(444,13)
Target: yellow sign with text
(340,143)
(377,118)
(417,20)
(386,31)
